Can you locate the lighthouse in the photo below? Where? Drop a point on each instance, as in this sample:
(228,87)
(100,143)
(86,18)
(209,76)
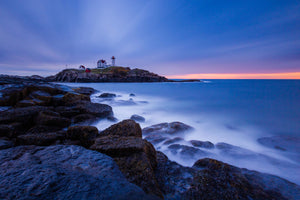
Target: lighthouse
(113,61)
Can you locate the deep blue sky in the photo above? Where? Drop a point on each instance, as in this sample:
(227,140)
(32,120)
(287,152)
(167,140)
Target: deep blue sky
(168,37)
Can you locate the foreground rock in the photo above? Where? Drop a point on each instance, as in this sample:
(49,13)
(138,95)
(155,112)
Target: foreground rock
(62,172)
(37,112)
(136,157)
(212,179)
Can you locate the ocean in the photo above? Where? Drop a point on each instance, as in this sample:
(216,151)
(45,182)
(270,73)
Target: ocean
(236,112)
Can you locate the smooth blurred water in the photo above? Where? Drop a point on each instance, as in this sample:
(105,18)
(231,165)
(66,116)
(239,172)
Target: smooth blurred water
(237,112)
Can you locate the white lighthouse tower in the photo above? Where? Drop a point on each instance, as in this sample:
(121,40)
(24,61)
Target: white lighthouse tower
(113,61)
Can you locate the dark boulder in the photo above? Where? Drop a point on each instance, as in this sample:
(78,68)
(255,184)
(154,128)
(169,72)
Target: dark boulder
(41,95)
(10,95)
(137,118)
(107,95)
(25,115)
(118,146)
(85,90)
(41,139)
(173,140)
(132,95)
(212,179)
(167,128)
(84,134)
(62,172)
(96,109)
(155,139)
(50,118)
(173,179)
(72,98)
(136,159)
(84,118)
(202,144)
(218,180)
(124,128)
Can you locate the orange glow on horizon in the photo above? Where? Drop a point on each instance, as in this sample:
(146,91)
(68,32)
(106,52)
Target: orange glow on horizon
(288,75)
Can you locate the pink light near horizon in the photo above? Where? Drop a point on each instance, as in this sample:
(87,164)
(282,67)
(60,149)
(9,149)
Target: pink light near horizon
(288,75)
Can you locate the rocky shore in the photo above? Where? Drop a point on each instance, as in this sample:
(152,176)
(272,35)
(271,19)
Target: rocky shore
(111,74)
(49,150)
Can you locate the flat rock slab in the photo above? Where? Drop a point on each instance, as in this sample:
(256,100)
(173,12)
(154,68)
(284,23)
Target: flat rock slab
(62,172)
(167,128)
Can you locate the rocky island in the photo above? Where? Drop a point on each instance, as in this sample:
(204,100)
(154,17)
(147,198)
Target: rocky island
(109,74)
(49,150)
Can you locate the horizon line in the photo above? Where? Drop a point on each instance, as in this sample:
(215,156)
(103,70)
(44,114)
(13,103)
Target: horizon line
(287,75)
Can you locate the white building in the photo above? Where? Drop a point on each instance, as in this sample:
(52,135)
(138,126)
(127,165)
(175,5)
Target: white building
(102,63)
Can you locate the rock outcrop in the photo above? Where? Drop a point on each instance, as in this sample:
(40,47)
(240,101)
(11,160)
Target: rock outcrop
(212,179)
(38,112)
(135,156)
(111,74)
(62,172)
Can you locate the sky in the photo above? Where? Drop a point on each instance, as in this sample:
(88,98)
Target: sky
(174,38)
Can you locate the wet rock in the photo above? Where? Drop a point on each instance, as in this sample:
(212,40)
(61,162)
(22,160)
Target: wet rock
(57,100)
(137,118)
(174,140)
(62,172)
(50,118)
(84,134)
(136,159)
(84,118)
(167,128)
(202,144)
(37,129)
(218,180)
(124,128)
(132,95)
(85,90)
(71,98)
(25,115)
(155,139)
(212,179)
(107,95)
(9,96)
(96,109)
(173,179)
(5,143)
(41,95)
(41,139)
(68,111)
